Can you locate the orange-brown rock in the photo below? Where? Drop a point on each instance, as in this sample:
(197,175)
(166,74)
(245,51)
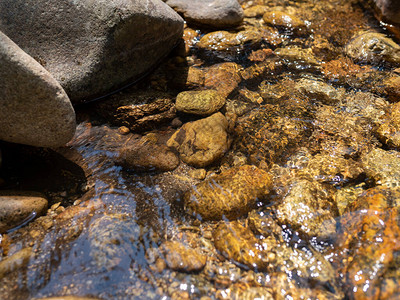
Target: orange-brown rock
(224,78)
(231,194)
(182,258)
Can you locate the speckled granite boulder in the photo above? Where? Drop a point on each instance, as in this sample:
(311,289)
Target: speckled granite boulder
(92,47)
(34,109)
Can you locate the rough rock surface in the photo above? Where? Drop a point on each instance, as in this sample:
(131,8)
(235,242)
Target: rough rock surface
(181,258)
(203,103)
(308,206)
(34,109)
(389,130)
(373,47)
(202,142)
(382,166)
(18,207)
(138,111)
(146,155)
(370,255)
(213,13)
(92,47)
(231,194)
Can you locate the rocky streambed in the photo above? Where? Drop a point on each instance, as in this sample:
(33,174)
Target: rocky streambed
(259,160)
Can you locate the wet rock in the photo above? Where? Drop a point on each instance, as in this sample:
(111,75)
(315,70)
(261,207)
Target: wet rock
(374,48)
(34,109)
(213,13)
(391,85)
(147,155)
(203,103)
(138,111)
(92,48)
(198,174)
(347,195)
(330,168)
(181,258)
(224,78)
(255,11)
(231,194)
(351,129)
(226,41)
(236,242)
(369,241)
(250,293)
(320,90)
(16,261)
(366,105)
(390,9)
(67,298)
(309,207)
(389,129)
(344,71)
(114,241)
(266,133)
(382,166)
(285,21)
(308,263)
(190,37)
(298,57)
(16,208)
(202,142)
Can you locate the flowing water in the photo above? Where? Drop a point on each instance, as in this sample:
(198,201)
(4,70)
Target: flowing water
(318,119)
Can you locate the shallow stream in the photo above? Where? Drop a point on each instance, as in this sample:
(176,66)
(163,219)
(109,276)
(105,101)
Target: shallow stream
(312,90)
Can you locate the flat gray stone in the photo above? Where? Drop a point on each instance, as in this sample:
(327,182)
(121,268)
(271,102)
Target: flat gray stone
(390,9)
(92,47)
(213,13)
(34,109)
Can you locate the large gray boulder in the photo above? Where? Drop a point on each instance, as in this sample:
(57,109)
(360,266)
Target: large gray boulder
(92,47)
(390,9)
(34,109)
(212,13)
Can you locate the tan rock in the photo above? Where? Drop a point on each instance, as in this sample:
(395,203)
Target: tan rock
(182,258)
(231,194)
(202,142)
(17,207)
(15,261)
(202,103)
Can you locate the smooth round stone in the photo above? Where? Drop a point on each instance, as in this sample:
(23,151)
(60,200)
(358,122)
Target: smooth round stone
(203,103)
(178,257)
(213,13)
(17,207)
(92,47)
(34,109)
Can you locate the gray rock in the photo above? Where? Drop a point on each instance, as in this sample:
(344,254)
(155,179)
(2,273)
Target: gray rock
(390,9)
(214,13)
(373,47)
(203,103)
(92,47)
(34,109)
(17,207)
